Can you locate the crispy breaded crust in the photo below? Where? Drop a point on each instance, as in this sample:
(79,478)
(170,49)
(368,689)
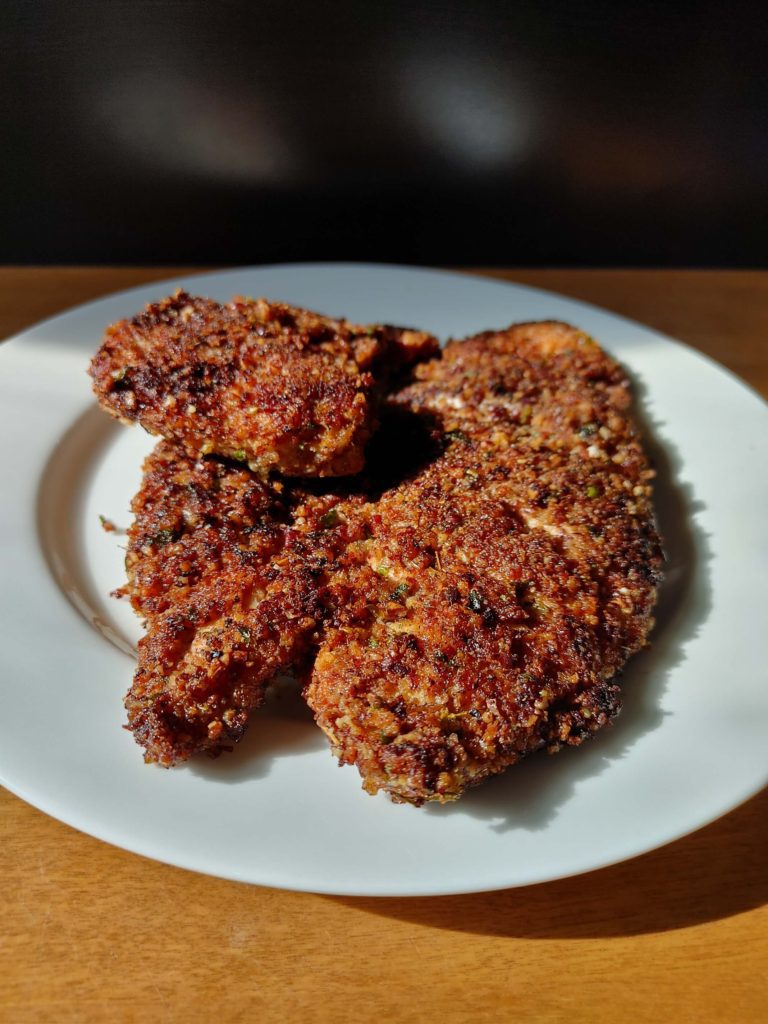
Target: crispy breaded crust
(488,601)
(228,571)
(468,600)
(256,381)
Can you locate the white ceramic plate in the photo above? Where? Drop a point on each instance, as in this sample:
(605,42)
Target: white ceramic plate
(691,743)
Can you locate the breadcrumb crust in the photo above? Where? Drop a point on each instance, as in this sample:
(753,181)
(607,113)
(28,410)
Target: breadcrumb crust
(468,599)
(260,382)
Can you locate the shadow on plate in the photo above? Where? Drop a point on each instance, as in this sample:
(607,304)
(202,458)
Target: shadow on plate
(283,727)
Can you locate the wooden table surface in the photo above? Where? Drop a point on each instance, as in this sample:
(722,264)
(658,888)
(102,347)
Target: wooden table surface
(91,933)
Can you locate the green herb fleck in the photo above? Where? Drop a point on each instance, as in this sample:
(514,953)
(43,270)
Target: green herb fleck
(240,455)
(475,602)
(400,591)
(373,642)
(456,435)
(593,491)
(245,633)
(588,430)
(329,519)
(382,570)
(166,536)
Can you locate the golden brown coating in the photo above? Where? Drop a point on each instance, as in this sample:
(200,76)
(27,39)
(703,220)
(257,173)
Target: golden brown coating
(486,602)
(228,571)
(467,601)
(259,382)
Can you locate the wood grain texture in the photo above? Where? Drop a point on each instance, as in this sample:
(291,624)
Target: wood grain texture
(91,933)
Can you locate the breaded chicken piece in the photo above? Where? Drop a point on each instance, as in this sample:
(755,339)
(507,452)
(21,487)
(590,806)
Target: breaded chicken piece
(228,571)
(259,382)
(486,602)
(467,601)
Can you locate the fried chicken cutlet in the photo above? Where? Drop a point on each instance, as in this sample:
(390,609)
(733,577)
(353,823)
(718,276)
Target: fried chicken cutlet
(260,382)
(228,571)
(467,601)
(486,602)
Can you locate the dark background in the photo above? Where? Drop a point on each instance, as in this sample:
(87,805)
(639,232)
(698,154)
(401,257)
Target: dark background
(554,133)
